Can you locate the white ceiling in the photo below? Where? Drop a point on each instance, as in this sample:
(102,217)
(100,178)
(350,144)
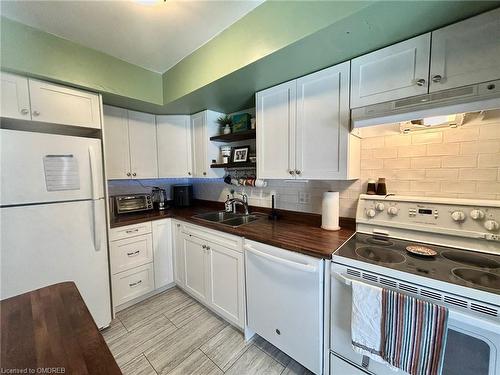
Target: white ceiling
(153,34)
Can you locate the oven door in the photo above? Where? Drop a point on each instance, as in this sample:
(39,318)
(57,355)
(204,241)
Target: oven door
(472,346)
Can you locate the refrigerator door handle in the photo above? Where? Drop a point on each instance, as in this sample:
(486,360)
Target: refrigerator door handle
(95,197)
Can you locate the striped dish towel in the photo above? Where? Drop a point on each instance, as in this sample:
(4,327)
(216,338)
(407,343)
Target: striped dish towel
(413,333)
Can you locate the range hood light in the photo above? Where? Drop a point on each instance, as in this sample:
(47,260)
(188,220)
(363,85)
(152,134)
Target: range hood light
(438,120)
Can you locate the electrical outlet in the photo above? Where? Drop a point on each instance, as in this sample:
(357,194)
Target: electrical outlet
(304,197)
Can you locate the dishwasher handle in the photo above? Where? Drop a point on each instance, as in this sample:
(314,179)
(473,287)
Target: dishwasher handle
(285,262)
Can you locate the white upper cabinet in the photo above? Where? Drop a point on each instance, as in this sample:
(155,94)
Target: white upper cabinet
(323,142)
(15,97)
(63,105)
(173,135)
(204,152)
(117,153)
(467,52)
(275,130)
(142,136)
(303,128)
(391,73)
(130,144)
(32,99)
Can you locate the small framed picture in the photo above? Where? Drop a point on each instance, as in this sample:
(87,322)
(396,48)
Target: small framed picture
(240,154)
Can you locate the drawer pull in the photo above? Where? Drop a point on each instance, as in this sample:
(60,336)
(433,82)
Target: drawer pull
(132,230)
(134,284)
(134,253)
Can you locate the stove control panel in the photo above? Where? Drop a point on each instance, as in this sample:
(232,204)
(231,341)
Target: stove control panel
(460,217)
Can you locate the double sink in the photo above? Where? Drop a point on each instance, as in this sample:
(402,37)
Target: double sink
(227,218)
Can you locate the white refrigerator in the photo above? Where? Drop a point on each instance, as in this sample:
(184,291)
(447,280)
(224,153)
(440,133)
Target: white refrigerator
(53,224)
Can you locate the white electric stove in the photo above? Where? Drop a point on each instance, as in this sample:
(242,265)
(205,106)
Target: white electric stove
(463,274)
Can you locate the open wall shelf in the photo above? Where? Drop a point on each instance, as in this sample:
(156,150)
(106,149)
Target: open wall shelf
(235,165)
(234,137)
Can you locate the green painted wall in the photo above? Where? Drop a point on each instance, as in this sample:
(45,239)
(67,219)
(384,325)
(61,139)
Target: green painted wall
(268,28)
(375,26)
(29,51)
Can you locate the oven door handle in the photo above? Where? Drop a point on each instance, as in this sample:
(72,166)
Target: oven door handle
(342,278)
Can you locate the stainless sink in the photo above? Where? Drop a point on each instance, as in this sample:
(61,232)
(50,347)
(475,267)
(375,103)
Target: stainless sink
(226,218)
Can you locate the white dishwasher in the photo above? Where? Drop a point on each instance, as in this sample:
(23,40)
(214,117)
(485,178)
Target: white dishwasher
(285,301)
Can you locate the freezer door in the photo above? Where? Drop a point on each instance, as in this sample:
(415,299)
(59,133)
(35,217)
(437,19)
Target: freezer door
(38,167)
(50,243)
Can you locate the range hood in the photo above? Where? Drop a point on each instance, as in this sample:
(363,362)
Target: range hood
(442,108)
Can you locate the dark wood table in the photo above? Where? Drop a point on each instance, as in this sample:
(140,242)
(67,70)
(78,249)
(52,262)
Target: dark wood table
(51,328)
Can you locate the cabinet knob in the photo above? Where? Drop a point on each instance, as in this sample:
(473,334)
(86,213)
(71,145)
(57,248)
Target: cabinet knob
(134,174)
(204,246)
(204,173)
(189,173)
(297,171)
(24,111)
(420,82)
(36,113)
(128,174)
(437,78)
(291,172)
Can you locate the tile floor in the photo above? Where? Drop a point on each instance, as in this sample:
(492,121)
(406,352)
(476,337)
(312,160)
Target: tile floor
(171,333)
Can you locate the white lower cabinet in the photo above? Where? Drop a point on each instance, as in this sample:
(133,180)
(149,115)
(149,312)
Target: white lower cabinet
(132,284)
(225,282)
(195,267)
(162,252)
(141,260)
(209,266)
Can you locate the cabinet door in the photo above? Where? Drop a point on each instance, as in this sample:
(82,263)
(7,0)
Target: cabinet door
(15,98)
(323,124)
(116,145)
(195,270)
(142,138)
(63,105)
(173,135)
(275,131)
(199,148)
(162,252)
(394,72)
(178,254)
(467,52)
(226,282)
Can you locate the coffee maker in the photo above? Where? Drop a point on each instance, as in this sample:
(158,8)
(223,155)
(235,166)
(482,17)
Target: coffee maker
(159,198)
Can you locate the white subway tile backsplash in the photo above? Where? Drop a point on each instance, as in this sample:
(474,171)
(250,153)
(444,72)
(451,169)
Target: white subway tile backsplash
(461,134)
(426,162)
(426,138)
(413,150)
(443,149)
(479,147)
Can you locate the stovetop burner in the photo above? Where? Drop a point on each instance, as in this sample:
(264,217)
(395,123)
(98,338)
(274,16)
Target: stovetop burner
(477,277)
(462,267)
(380,254)
(471,259)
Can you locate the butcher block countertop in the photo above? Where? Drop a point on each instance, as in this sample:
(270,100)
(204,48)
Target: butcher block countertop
(300,232)
(50,330)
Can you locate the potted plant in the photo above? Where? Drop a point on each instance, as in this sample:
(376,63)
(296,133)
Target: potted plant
(225,123)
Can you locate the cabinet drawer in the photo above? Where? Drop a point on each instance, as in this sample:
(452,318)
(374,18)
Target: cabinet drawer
(133,283)
(131,252)
(129,231)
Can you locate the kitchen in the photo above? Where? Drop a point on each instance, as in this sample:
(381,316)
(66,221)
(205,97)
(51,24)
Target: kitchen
(325,200)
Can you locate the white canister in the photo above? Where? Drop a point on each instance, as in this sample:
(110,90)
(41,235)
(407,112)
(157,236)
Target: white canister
(330,211)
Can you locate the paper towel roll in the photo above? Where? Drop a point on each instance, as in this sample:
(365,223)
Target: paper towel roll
(330,211)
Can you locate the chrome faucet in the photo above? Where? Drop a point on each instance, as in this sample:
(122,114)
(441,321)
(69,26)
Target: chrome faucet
(230,203)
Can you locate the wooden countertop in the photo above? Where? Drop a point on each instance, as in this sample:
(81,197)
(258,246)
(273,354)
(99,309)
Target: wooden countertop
(294,231)
(52,328)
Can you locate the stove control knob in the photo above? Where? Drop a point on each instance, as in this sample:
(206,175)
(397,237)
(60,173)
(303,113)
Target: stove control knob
(380,207)
(393,211)
(370,213)
(458,216)
(491,225)
(477,215)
